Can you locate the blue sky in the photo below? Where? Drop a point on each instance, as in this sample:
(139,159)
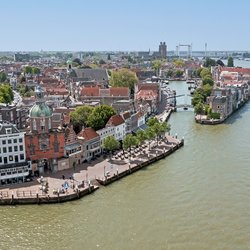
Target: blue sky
(133,25)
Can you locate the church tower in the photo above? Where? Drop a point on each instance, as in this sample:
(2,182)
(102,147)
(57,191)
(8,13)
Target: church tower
(40,114)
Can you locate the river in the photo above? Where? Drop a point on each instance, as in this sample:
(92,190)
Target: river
(197,198)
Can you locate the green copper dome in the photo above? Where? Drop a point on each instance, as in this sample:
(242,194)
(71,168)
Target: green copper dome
(40,110)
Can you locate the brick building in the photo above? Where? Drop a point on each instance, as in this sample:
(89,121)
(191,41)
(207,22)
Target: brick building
(44,144)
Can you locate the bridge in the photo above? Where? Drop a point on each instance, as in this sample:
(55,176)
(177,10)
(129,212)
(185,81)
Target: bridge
(184,106)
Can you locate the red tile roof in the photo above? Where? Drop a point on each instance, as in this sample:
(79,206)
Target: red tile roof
(57,91)
(126,115)
(239,70)
(115,120)
(90,91)
(119,91)
(88,134)
(146,95)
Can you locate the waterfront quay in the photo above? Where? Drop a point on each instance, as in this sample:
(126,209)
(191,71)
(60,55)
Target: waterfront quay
(72,184)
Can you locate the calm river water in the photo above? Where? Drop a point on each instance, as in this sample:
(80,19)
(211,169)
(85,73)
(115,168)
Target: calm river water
(197,198)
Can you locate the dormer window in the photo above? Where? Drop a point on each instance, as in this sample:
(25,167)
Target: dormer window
(8,130)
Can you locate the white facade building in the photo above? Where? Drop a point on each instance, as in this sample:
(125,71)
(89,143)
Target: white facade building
(105,132)
(13,164)
(120,127)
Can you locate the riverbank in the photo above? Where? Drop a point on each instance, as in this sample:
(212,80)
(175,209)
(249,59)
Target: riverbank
(202,119)
(89,176)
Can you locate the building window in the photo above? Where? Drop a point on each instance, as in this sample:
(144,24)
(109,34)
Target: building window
(4,150)
(16,158)
(8,130)
(1,160)
(21,156)
(9,141)
(20,140)
(15,141)
(49,123)
(10,158)
(56,146)
(15,148)
(4,142)
(42,124)
(5,160)
(21,147)
(34,124)
(10,149)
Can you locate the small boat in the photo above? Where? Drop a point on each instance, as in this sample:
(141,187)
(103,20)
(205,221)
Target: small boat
(190,82)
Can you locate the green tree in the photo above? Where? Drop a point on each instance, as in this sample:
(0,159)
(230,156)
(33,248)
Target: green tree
(170,73)
(198,72)
(197,98)
(207,80)
(36,71)
(102,61)
(156,65)
(198,108)
(80,116)
(179,73)
(207,89)
(100,116)
(77,62)
(27,70)
(178,63)
(150,134)
(3,77)
(157,127)
(110,144)
(22,79)
(205,72)
(209,62)
(124,78)
(128,142)
(152,121)
(230,62)
(141,136)
(6,93)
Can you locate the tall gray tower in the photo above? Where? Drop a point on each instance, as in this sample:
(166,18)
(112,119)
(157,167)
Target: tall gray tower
(163,50)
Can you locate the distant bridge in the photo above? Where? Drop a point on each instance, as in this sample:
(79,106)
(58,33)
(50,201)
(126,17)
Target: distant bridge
(184,106)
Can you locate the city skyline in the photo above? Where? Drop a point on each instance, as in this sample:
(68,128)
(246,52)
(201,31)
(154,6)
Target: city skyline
(123,26)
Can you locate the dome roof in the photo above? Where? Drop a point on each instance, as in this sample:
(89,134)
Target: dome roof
(40,110)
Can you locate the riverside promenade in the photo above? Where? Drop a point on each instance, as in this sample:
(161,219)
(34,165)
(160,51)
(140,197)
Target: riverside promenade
(75,183)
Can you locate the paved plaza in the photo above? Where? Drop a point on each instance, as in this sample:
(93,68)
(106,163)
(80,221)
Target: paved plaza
(87,173)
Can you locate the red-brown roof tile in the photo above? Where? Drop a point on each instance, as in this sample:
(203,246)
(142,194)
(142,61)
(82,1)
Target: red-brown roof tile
(88,134)
(115,120)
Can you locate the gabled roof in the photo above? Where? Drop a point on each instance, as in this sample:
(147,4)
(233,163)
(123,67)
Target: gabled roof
(119,91)
(115,120)
(4,127)
(126,115)
(90,91)
(88,134)
(92,74)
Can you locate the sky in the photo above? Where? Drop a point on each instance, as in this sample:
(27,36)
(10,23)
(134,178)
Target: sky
(123,25)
